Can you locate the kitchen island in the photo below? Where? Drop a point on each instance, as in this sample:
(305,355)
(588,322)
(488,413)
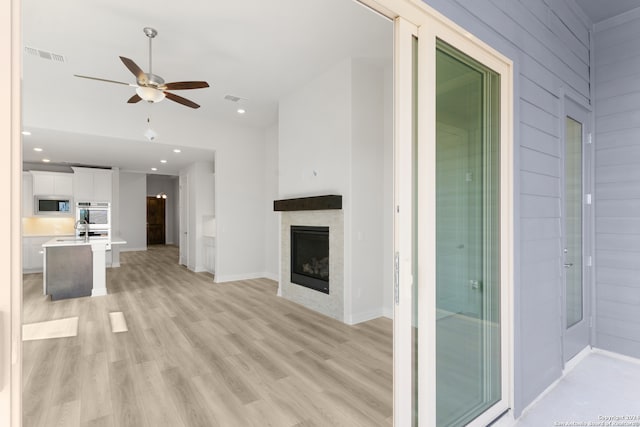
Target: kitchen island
(75,267)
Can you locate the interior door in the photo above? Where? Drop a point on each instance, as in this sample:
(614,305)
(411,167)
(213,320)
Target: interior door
(156,221)
(575,220)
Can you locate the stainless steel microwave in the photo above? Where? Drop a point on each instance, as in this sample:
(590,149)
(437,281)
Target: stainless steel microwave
(53,205)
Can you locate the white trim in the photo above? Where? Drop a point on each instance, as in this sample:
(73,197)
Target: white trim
(403,195)
(239,277)
(568,368)
(575,360)
(387,312)
(272,276)
(125,249)
(621,19)
(616,355)
(364,316)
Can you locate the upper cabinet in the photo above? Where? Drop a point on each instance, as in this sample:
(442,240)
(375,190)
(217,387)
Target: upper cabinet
(92,185)
(52,183)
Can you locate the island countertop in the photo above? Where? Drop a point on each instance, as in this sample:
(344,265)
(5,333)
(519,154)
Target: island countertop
(76,241)
(88,275)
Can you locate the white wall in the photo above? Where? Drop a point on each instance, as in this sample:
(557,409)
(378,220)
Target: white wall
(240,214)
(332,141)
(272,219)
(157,184)
(201,208)
(367,205)
(314,136)
(133,211)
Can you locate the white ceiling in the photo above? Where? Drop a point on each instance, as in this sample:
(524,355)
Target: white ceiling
(599,10)
(255,49)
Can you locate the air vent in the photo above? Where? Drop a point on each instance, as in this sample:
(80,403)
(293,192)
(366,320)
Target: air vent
(232,98)
(50,56)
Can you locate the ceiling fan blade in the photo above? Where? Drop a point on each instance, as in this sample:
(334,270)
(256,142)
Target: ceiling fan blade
(184,85)
(133,67)
(105,80)
(135,98)
(181,100)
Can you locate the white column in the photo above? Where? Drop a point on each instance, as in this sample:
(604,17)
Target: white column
(99,270)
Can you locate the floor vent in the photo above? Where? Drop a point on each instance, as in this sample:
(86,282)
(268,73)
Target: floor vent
(50,56)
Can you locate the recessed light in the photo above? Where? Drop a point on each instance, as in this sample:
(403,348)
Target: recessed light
(241,111)
(38,149)
(177,150)
(163,161)
(46,160)
(26,132)
(154,169)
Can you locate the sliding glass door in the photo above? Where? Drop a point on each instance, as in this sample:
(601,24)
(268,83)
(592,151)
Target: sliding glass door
(453,226)
(468,376)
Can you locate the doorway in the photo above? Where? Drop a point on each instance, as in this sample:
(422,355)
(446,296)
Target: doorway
(454,247)
(576,217)
(156,225)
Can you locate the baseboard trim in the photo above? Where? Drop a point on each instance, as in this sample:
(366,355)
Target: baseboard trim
(615,355)
(356,318)
(568,367)
(575,360)
(273,276)
(132,249)
(238,277)
(387,312)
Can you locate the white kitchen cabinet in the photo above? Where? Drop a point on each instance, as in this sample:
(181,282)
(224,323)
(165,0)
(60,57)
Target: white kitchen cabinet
(52,183)
(27,194)
(92,185)
(32,253)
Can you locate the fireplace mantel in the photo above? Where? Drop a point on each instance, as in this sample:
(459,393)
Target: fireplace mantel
(315,203)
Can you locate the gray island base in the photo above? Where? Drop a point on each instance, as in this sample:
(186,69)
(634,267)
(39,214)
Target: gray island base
(69,271)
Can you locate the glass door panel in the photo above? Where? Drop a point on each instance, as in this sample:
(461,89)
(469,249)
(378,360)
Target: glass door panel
(576,218)
(468,367)
(573,223)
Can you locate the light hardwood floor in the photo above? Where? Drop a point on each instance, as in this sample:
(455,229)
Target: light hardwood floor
(201,354)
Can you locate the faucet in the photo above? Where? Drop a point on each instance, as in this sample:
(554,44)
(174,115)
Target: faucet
(86,228)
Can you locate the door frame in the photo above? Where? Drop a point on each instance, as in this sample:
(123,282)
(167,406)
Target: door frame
(583,114)
(413,18)
(414,13)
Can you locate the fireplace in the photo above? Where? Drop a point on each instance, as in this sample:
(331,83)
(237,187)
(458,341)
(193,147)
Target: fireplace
(310,257)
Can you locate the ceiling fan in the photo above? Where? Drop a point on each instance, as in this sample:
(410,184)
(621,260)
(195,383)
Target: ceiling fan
(151,87)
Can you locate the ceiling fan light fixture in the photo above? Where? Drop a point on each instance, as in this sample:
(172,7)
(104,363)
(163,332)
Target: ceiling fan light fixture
(150,94)
(150,134)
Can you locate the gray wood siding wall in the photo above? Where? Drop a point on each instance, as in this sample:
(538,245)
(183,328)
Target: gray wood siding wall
(617,193)
(549,42)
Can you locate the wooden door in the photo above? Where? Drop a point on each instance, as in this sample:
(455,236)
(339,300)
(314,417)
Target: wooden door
(155,221)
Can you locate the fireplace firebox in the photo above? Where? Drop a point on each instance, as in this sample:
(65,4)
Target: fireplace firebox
(310,257)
